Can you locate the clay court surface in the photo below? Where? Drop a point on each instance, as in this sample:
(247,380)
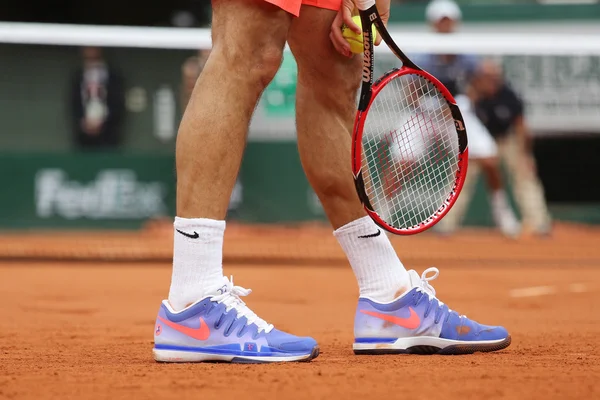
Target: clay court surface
(80,325)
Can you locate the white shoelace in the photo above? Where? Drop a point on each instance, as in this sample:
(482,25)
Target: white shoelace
(426,287)
(230,297)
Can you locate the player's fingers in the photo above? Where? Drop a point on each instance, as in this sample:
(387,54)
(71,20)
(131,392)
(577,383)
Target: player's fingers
(378,39)
(346,12)
(384,17)
(343,49)
(341,45)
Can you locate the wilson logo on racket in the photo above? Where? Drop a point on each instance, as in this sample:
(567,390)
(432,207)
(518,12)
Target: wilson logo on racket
(459,125)
(367,57)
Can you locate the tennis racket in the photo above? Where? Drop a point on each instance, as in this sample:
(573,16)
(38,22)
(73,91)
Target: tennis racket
(409,152)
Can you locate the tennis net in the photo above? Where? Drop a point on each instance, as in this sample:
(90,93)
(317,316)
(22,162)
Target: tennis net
(61,202)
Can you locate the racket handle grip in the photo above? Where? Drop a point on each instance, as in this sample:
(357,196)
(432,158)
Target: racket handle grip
(364,4)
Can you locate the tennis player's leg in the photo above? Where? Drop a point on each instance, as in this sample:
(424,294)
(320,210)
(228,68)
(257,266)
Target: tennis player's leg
(455,217)
(484,152)
(248,41)
(528,189)
(502,211)
(325,110)
(397,310)
(204,309)
(401,166)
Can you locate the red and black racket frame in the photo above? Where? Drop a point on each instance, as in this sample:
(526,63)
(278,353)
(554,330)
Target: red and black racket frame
(369,91)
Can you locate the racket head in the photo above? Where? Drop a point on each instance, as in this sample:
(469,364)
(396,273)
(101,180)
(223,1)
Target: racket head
(410,151)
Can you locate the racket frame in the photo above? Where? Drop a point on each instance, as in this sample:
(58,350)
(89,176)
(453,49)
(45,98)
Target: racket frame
(369,91)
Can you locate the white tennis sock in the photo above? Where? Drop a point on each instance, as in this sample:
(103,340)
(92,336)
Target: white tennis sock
(378,270)
(197,260)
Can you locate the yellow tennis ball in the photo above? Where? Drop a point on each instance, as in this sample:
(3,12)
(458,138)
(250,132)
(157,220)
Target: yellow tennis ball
(356,41)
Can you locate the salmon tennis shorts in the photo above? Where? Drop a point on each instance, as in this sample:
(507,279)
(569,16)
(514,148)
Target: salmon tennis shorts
(293,6)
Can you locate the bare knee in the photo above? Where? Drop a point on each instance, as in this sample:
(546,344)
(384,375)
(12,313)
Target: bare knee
(265,65)
(249,65)
(248,40)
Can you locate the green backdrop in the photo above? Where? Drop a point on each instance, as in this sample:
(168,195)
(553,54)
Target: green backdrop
(47,184)
(124,189)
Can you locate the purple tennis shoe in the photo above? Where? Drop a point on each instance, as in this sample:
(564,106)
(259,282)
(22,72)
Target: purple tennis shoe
(220,327)
(418,323)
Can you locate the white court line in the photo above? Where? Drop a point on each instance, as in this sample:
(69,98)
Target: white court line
(533,291)
(536,291)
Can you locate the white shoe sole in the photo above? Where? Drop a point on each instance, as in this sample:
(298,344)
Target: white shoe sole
(181,356)
(431,345)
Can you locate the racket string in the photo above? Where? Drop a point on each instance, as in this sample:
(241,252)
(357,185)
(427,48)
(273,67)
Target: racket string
(410,149)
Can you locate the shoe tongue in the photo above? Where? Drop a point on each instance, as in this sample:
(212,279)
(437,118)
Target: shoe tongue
(415,279)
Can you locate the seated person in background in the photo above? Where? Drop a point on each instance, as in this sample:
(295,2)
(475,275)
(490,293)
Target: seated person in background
(501,111)
(97,102)
(456,72)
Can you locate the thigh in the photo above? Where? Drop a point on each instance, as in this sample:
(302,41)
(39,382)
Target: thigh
(317,59)
(241,28)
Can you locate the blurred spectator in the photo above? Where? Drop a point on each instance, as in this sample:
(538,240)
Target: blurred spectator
(190,71)
(501,110)
(456,71)
(97,102)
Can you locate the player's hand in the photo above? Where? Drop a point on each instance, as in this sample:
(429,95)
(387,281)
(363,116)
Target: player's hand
(383,6)
(344,17)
